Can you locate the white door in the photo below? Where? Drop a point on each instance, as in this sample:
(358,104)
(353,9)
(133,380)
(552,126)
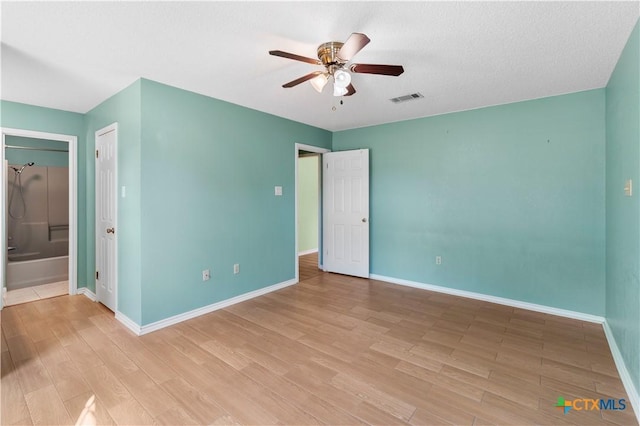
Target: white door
(106,239)
(345,205)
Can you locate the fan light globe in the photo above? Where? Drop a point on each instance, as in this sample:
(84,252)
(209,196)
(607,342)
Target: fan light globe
(341,79)
(339,91)
(318,82)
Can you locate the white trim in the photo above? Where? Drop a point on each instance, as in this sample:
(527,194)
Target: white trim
(73,207)
(154,326)
(88,293)
(72,142)
(309,148)
(493,299)
(310,251)
(129,323)
(627,381)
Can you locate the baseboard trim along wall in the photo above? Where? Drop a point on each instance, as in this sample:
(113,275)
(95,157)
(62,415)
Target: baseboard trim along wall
(83,290)
(140,330)
(625,377)
(128,322)
(302,253)
(627,381)
(493,299)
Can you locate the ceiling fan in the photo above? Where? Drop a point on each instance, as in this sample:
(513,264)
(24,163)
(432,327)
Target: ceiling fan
(335,55)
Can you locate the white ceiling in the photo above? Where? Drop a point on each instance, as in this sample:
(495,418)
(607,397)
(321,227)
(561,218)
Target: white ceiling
(459,55)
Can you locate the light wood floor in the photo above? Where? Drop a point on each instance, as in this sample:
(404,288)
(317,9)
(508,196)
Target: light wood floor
(332,349)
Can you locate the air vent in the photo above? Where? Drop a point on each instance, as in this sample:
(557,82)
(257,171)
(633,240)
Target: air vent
(406,98)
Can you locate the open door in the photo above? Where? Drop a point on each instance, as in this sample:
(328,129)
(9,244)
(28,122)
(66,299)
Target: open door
(345,195)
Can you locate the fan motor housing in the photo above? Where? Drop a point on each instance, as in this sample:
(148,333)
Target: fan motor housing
(328,53)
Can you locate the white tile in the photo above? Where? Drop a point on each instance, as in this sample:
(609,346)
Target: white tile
(30,294)
(52,290)
(21,295)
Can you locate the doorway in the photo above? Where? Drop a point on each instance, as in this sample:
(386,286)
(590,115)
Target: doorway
(38,209)
(308,205)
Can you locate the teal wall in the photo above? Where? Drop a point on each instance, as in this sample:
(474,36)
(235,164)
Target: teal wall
(623,213)
(511,197)
(208,172)
(40,157)
(308,193)
(29,117)
(125,109)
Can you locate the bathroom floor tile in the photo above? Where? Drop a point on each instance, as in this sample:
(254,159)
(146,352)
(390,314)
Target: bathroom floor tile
(30,294)
(52,290)
(21,295)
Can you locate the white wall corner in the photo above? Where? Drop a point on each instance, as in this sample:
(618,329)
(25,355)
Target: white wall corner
(627,381)
(88,293)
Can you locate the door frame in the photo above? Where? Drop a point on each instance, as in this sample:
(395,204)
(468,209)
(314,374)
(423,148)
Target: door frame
(309,148)
(72,142)
(107,129)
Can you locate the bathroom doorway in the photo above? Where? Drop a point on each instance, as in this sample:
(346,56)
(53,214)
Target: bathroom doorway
(38,216)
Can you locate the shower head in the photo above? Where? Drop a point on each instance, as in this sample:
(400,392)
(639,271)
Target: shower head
(18,171)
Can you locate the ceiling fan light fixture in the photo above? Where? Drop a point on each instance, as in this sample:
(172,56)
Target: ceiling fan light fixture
(339,91)
(341,79)
(318,82)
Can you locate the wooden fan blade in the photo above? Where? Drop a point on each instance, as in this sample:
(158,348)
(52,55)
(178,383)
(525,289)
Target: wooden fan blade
(294,57)
(350,90)
(353,45)
(395,70)
(302,79)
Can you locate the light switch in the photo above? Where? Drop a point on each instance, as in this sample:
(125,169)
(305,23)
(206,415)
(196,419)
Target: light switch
(628,188)
(123,191)
(278,190)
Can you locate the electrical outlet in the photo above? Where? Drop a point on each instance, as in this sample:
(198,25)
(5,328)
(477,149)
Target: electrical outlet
(206,274)
(236,268)
(438,260)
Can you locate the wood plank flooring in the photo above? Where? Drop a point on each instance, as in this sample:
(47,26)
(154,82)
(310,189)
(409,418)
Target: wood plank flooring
(331,350)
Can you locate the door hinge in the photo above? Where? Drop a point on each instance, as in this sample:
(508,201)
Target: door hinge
(97,275)
(97,153)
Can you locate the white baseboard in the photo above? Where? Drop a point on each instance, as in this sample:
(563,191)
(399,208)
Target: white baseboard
(493,299)
(128,322)
(91,295)
(204,310)
(627,381)
(302,253)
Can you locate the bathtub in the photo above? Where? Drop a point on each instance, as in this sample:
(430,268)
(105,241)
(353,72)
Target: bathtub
(27,273)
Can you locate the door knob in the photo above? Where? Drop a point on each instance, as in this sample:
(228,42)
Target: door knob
(364,220)
(111,230)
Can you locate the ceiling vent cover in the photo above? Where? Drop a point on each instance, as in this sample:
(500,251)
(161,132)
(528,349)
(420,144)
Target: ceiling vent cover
(406,98)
